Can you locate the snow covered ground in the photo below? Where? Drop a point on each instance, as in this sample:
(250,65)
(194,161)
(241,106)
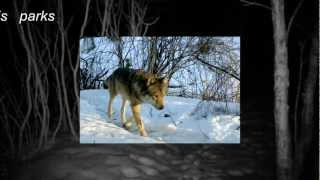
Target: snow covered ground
(183,120)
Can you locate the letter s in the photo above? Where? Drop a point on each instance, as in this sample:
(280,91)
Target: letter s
(51,17)
(4,17)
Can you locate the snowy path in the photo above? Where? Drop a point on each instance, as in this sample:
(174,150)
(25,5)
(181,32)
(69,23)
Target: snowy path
(182,121)
(251,160)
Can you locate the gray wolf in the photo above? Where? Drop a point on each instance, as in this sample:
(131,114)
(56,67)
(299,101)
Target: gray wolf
(137,87)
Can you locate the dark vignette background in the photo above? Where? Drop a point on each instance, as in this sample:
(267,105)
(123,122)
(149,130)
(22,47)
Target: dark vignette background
(226,18)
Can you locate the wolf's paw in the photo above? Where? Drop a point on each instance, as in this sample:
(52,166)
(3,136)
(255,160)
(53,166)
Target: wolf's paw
(110,114)
(144,134)
(126,126)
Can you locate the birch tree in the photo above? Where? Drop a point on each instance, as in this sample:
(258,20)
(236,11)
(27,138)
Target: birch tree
(281,88)
(303,128)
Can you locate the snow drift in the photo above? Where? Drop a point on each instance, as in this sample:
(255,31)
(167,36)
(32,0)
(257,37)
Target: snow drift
(183,120)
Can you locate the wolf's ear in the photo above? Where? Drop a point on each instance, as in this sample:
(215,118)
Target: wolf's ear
(163,80)
(150,81)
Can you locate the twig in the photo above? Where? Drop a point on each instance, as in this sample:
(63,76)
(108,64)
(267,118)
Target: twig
(250,3)
(175,124)
(84,24)
(175,86)
(202,132)
(298,93)
(210,66)
(293,16)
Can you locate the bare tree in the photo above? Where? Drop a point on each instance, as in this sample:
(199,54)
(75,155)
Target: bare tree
(110,16)
(167,56)
(304,134)
(281,30)
(48,74)
(281,87)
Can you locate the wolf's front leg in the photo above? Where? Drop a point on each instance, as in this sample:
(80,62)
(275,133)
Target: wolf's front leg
(111,98)
(123,113)
(137,118)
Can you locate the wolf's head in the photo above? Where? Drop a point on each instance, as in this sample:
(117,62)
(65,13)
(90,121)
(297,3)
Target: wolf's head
(156,89)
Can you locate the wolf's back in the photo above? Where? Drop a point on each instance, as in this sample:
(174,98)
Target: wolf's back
(119,75)
(125,77)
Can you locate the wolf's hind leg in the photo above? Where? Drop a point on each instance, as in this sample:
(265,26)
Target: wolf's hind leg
(123,112)
(111,98)
(137,118)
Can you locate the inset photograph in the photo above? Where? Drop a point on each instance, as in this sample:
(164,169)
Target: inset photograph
(160,90)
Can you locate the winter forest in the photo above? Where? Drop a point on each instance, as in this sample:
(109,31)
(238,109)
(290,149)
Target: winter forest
(204,72)
(52,95)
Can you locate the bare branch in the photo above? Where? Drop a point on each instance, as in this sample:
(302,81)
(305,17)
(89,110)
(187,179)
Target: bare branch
(250,3)
(293,16)
(85,18)
(218,68)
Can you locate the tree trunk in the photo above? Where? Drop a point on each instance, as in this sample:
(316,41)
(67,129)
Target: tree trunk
(304,144)
(281,85)
(152,60)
